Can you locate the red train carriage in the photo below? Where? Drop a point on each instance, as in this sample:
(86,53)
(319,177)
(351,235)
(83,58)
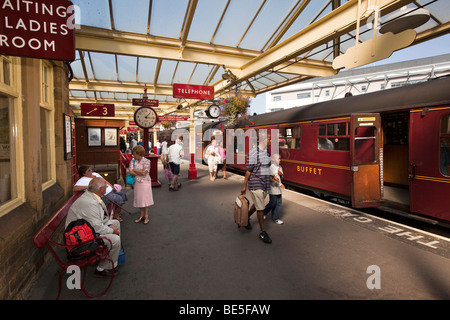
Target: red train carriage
(365,148)
(336,156)
(429,161)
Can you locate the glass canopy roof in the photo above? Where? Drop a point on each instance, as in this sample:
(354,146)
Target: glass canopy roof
(124,46)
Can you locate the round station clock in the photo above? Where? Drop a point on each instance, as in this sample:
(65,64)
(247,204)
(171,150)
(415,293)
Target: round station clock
(145,117)
(213,111)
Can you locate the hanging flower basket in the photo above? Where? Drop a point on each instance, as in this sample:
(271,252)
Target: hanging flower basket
(235,107)
(167,124)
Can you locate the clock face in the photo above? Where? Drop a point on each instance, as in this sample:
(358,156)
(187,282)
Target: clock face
(214,111)
(145,117)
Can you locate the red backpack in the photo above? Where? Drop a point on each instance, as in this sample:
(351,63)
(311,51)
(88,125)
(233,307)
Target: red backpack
(81,239)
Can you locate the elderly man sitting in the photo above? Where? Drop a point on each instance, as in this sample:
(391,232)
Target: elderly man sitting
(113,193)
(89,206)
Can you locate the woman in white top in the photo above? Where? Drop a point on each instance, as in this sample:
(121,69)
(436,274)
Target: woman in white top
(213,158)
(113,193)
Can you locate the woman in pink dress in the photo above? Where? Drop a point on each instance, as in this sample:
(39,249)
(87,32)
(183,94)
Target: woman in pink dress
(143,196)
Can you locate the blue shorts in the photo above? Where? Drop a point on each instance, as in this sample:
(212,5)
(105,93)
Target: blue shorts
(175,168)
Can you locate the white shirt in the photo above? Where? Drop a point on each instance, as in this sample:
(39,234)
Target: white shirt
(275,185)
(84,182)
(216,157)
(174,153)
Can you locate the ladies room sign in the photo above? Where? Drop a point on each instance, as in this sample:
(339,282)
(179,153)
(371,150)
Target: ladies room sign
(38,29)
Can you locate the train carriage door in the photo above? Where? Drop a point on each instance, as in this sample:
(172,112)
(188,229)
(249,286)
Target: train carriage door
(429,157)
(365,160)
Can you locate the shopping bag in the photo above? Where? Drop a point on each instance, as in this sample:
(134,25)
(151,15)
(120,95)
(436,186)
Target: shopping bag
(168,173)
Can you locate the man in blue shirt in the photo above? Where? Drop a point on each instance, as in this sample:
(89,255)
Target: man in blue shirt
(257,180)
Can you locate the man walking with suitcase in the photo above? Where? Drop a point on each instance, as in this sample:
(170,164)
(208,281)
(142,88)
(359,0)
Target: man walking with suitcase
(257,180)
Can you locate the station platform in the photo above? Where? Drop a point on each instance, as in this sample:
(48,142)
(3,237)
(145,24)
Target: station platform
(192,250)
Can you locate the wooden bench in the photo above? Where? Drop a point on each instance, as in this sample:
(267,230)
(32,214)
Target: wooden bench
(43,238)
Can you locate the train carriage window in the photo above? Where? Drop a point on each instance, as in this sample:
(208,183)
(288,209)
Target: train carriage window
(365,139)
(334,136)
(322,130)
(288,132)
(444,143)
(341,129)
(330,130)
(290,138)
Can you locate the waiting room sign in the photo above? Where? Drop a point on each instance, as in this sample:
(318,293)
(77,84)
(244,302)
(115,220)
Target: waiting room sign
(38,29)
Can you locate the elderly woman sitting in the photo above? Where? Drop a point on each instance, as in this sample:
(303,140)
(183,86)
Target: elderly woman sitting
(113,193)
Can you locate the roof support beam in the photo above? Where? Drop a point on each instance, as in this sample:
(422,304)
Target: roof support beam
(157,71)
(432,33)
(289,23)
(119,87)
(134,44)
(220,21)
(118,42)
(83,65)
(188,21)
(251,22)
(111,14)
(336,23)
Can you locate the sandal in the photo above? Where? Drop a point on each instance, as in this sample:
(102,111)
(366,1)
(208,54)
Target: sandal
(139,220)
(146,221)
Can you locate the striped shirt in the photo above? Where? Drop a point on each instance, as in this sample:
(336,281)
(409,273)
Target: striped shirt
(258,163)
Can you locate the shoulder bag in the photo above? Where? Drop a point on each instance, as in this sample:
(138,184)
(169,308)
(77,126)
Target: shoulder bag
(129,179)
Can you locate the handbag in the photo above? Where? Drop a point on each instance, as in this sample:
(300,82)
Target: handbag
(121,259)
(167,172)
(129,177)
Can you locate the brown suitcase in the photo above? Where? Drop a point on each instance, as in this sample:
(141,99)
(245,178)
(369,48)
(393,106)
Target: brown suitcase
(241,211)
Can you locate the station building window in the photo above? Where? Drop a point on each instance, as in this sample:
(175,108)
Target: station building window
(11,165)
(304,95)
(290,137)
(7,191)
(334,136)
(6,70)
(445,145)
(48,170)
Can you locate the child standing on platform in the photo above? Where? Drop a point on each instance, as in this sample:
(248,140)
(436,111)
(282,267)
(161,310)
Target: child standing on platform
(274,205)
